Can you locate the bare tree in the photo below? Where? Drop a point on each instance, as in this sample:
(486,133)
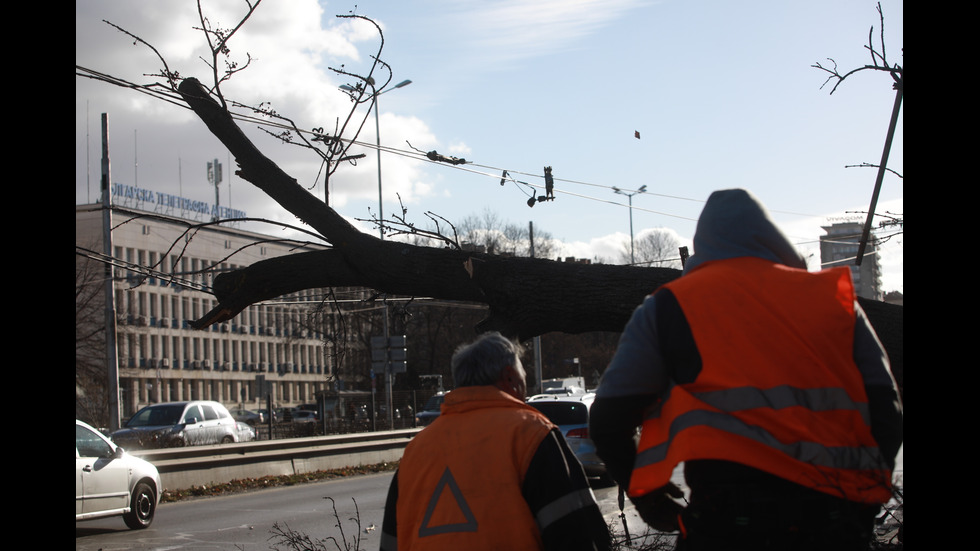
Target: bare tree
(495,236)
(655,247)
(91,397)
(525,296)
(879,60)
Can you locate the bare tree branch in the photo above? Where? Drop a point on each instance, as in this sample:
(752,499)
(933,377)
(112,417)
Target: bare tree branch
(220,48)
(878,61)
(526,296)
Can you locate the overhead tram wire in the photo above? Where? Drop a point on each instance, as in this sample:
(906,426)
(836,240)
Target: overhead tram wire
(171,97)
(417,155)
(260,121)
(497,170)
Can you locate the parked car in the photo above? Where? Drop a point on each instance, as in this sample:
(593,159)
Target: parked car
(178,424)
(431,409)
(110,482)
(565,391)
(246,432)
(308,407)
(302,416)
(266,413)
(571,414)
(248,416)
(284,415)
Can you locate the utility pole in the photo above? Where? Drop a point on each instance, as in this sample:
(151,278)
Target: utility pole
(536,340)
(896,107)
(112,360)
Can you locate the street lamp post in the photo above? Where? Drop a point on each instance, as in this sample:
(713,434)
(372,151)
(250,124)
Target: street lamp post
(377,135)
(381,231)
(642,189)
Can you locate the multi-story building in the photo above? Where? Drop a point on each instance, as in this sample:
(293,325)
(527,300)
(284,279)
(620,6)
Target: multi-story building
(160,273)
(840,248)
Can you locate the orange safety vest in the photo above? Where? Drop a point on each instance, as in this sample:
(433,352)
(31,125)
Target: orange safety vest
(460,479)
(778,390)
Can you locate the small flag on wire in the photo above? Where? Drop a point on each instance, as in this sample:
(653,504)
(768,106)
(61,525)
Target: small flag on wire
(636,133)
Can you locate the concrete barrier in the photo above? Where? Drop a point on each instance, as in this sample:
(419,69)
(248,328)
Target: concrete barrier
(182,468)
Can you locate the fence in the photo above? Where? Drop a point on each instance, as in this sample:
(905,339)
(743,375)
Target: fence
(352,414)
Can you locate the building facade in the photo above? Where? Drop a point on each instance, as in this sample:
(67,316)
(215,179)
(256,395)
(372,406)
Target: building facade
(161,272)
(840,247)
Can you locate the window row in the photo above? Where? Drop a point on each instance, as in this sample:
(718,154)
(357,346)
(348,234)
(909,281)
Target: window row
(176,310)
(203,353)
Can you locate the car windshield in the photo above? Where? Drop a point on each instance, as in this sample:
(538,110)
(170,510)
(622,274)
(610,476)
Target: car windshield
(563,413)
(153,416)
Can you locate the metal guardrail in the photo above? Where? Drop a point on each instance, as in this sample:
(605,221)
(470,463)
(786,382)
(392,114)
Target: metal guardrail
(182,468)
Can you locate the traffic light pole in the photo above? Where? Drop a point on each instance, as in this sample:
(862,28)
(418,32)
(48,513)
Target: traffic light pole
(388,374)
(388,356)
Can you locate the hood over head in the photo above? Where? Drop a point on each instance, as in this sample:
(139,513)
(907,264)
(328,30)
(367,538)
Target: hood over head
(733,224)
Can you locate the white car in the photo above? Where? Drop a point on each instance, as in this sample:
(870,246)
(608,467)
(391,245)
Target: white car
(110,482)
(178,424)
(246,432)
(303,416)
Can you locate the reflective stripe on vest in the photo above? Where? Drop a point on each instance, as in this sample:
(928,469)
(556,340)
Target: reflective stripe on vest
(567,504)
(807,421)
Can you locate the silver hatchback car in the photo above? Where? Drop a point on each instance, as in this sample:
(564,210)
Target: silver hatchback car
(178,424)
(571,413)
(110,482)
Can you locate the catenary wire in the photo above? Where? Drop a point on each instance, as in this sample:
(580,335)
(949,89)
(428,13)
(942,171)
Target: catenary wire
(173,98)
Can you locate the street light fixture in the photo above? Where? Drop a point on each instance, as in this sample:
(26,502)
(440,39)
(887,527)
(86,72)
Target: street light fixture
(381,230)
(642,189)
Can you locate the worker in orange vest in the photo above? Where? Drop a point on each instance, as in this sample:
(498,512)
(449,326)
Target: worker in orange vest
(766,381)
(491,472)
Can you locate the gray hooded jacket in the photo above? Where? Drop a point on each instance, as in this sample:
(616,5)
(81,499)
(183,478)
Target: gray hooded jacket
(733,224)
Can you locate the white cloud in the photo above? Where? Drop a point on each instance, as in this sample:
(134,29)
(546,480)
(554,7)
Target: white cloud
(604,248)
(459,149)
(508,30)
(289,75)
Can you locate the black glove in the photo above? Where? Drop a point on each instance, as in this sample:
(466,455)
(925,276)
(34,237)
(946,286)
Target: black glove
(658,508)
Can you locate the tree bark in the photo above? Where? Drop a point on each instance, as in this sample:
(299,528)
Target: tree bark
(526,296)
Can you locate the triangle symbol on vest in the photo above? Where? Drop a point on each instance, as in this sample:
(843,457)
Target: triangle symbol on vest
(469,525)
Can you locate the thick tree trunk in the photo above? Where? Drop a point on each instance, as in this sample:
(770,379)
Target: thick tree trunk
(527,297)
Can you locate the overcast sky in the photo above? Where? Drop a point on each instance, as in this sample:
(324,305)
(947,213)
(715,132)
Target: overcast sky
(723,94)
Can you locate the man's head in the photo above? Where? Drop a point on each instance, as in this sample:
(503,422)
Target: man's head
(493,360)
